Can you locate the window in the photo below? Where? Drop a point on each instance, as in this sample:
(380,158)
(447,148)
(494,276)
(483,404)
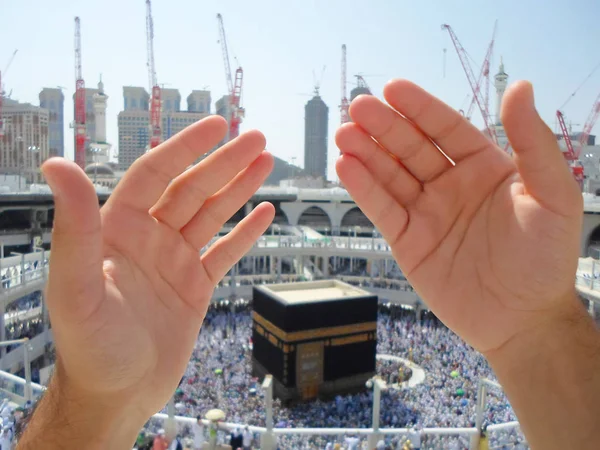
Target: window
(133,103)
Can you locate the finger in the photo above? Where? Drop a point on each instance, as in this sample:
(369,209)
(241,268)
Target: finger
(396,134)
(383,166)
(76,282)
(148,177)
(388,216)
(187,193)
(219,208)
(541,164)
(228,250)
(454,134)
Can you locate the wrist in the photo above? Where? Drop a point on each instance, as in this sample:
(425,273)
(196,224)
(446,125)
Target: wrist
(552,334)
(69,417)
(550,372)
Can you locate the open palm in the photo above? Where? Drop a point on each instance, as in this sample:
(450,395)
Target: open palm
(487,240)
(128,289)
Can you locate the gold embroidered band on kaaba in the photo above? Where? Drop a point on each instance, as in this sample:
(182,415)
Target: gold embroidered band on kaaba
(316,333)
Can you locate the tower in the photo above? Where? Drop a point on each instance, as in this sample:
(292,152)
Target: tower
(316,118)
(98,145)
(99,103)
(361,88)
(500,83)
(53,100)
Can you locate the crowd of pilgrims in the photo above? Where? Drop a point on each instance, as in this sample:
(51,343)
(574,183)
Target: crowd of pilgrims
(220,375)
(21,326)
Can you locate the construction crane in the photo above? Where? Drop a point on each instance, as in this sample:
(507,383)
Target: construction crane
(234,87)
(573,152)
(590,122)
(477,95)
(80,128)
(2,92)
(484,75)
(344,105)
(155,101)
(362,83)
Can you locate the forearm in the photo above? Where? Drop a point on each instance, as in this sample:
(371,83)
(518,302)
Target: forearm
(67,419)
(551,375)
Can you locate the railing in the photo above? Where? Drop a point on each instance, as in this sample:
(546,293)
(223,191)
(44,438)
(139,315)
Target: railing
(25,383)
(269,434)
(21,269)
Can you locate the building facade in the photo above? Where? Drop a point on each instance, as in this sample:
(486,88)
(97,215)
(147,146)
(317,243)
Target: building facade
(171,100)
(53,100)
(223,109)
(361,88)
(316,122)
(134,121)
(135,99)
(199,101)
(25,144)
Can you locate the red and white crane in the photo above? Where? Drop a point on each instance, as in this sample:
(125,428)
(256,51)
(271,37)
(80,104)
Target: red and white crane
(590,122)
(344,104)
(573,152)
(155,100)
(80,128)
(484,76)
(475,88)
(234,87)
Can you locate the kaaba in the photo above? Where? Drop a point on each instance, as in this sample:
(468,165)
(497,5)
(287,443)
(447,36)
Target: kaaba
(316,338)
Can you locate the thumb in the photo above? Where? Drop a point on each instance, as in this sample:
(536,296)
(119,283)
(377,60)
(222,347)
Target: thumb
(76,279)
(540,162)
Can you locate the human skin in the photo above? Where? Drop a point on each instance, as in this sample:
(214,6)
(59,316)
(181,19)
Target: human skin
(489,241)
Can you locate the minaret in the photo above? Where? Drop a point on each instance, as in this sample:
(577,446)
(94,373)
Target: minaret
(99,145)
(100,100)
(501,81)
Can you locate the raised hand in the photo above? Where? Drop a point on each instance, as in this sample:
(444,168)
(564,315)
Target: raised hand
(490,242)
(128,289)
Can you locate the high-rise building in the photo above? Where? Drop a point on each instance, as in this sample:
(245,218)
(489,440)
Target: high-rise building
(360,89)
(199,101)
(224,110)
(135,99)
(171,100)
(53,100)
(316,119)
(134,121)
(25,145)
(222,107)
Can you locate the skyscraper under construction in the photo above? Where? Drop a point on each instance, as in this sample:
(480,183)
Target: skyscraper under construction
(316,121)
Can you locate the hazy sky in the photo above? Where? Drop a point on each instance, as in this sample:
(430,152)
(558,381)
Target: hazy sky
(280,43)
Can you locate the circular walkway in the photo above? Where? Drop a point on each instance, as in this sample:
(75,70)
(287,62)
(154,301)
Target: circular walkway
(418,374)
